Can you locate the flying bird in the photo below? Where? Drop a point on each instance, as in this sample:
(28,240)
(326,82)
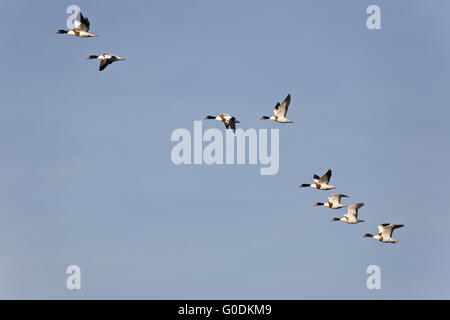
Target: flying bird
(105,60)
(228,120)
(351,216)
(320,183)
(385,233)
(81,29)
(280,111)
(334,202)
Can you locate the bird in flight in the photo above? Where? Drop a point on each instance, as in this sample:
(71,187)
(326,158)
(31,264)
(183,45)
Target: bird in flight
(351,216)
(280,111)
(81,29)
(320,183)
(385,233)
(334,202)
(105,60)
(228,120)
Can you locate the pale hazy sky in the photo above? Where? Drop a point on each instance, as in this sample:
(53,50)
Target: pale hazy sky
(85,170)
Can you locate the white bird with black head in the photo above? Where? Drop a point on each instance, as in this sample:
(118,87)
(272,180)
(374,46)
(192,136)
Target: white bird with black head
(385,233)
(351,217)
(280,111)
(105,60)
(320,183)
(228,120)
(81,28)
(334,202)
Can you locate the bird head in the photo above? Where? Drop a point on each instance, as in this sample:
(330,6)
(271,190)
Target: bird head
(318,204)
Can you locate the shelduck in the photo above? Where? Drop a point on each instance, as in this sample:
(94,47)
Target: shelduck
(334,202)
(385,233)
(351,216)
(280,111)
(105,60)
(228,120)
(81,29)
(320,183)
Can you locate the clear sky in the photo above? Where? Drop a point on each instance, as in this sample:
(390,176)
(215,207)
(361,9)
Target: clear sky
(85,170)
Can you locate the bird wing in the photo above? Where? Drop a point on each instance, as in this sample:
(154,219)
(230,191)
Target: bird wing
(381,227)
(336,198)
(232,124)
(352,211)
(325,179)
(283,108)
(104,63)
(388,229)
(81,23)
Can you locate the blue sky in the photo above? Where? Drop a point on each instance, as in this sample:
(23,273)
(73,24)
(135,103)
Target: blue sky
(85,170)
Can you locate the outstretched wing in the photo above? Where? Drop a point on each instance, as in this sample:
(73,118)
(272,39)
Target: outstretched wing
(283,108)
(388,229)
(104,63)
(336,198)
(381,227)
(232,124)
(352,211)
(81,23)
(325,179)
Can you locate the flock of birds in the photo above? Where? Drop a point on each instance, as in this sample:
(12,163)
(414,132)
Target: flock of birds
(385,230)
(81,29)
